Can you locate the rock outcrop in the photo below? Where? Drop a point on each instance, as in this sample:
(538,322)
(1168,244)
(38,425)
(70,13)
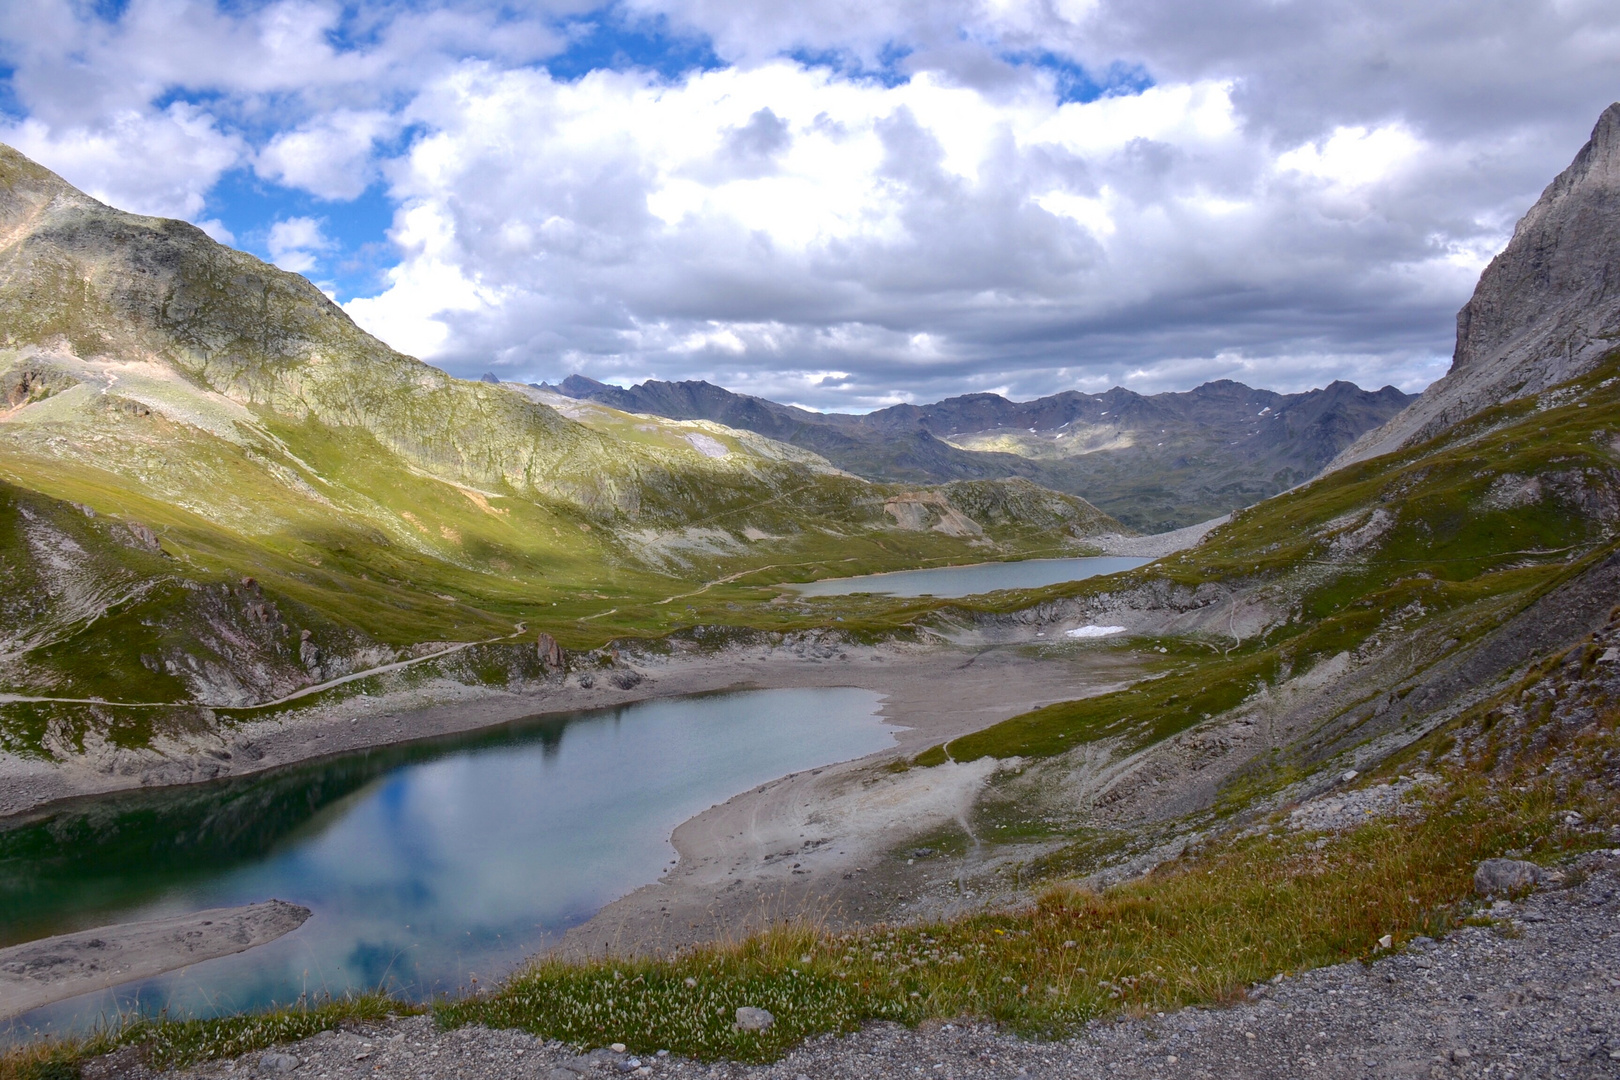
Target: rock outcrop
(549,652)
(1546,309)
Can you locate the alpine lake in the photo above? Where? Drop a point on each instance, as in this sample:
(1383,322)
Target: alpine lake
(953,582)
(432,864)
(426,865)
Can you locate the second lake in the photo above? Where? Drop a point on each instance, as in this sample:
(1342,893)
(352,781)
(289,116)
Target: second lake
(949,582)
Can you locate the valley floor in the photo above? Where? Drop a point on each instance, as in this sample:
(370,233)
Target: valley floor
(1536,994)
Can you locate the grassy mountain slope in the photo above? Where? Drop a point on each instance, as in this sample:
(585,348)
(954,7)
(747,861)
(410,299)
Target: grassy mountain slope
(1369,576)
(177,417)
(1339,624)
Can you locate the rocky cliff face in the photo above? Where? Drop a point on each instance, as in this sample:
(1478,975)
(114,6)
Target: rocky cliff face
(1547,308)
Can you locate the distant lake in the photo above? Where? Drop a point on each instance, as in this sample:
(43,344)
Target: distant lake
(949,582)
(423,864)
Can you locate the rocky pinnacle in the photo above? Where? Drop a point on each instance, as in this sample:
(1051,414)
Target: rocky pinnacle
(1546,309)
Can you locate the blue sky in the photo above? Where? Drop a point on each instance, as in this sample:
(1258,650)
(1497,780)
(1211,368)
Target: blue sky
(248,207)
(840,204)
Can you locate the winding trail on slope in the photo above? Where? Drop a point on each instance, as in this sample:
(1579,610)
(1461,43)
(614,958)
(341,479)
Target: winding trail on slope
(398,665)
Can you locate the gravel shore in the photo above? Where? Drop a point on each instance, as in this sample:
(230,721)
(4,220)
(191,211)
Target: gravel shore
(1536,994)
(57,968)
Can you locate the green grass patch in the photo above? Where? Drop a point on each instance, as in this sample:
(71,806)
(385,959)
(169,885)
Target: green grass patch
(162,1043)
(1145,713)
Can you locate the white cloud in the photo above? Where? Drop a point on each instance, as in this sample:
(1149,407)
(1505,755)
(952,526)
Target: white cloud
(216,229)
(296,244)
(330,157)
(159,163)
(903,233)
(425,289)
(1354,156)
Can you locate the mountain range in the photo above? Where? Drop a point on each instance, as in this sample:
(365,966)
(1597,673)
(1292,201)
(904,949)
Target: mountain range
(1155,462)
(1321,727)
(215,490)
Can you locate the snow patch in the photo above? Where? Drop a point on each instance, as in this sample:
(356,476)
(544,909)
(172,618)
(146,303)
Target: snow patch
(1091,630)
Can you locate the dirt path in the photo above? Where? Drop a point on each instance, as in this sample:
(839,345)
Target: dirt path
(308,691)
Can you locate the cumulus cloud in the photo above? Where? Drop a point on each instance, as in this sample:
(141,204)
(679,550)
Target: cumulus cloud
(861,203)
(151,162)
(754,225)
(296,244)
(330,157)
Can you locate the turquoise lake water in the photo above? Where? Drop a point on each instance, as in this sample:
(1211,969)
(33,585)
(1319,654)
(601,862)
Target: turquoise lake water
(424,864)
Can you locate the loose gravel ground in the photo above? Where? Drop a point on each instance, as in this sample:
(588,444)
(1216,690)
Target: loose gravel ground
(1536,994)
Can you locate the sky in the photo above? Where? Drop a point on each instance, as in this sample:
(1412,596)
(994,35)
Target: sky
(836,204)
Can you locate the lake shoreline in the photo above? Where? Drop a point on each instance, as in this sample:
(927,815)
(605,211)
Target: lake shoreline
(820,844)
(723,882)
(924,687)
(47,970)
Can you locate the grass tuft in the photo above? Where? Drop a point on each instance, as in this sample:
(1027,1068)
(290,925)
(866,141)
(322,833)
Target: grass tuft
(163,1043)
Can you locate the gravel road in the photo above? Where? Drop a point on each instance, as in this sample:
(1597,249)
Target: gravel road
(1535,995)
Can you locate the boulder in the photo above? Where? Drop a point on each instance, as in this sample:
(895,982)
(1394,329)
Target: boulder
(144,536)
(752,1019)
(1506,877)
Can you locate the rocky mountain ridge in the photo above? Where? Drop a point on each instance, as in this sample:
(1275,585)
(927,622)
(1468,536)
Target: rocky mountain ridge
(1547,309)
(1156,461)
